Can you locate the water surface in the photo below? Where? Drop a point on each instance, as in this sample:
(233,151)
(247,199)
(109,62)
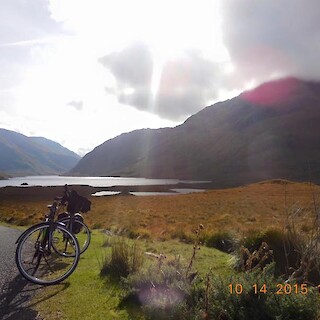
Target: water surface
(46,181)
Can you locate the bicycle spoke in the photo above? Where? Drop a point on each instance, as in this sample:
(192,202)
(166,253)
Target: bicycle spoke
(37,266)
(45,259)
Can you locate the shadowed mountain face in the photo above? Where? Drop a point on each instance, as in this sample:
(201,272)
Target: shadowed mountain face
(270,132)
(22,155)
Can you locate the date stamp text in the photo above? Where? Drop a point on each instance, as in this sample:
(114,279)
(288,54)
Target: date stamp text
(278,289)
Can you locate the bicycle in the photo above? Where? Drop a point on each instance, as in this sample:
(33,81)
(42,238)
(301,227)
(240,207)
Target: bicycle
(47,253)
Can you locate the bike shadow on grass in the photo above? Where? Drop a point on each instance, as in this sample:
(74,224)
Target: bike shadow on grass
(17,299)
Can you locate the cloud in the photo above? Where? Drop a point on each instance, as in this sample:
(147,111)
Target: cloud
(267,39)
(25,26)
(188,84)
(11,59)
(78,105)
(83,151)
(132,67)
(25,20)
(49,53)
(184,84)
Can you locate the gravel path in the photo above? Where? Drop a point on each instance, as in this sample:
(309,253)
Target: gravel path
(15,292)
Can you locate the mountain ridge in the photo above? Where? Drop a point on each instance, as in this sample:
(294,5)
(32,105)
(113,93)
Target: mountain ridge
(265,133)
(22,155)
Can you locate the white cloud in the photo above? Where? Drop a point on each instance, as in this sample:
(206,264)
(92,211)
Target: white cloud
(77,105)
(174,89)
(140,43)
(272,39)
(131,64)
(22,20)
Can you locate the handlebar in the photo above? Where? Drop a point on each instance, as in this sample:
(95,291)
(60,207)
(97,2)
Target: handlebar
(61,199)
(65,197)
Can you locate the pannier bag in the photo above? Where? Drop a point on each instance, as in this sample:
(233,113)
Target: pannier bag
(77,203)
(77,227)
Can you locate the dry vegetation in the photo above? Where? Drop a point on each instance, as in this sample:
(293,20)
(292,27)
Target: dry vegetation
(268,205)
(253,207)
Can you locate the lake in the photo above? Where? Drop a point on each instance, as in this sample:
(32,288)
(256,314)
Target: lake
(46,181)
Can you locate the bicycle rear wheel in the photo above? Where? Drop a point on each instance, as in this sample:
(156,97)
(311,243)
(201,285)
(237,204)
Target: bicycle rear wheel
(36,259)
(83,234)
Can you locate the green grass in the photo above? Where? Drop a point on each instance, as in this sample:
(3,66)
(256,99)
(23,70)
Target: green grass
(87,295)
(206,258)
(84,295)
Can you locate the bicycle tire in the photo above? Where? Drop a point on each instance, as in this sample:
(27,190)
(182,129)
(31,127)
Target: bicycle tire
(83,237)
(36,260)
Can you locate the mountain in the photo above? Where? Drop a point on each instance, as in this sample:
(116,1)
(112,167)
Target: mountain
(270,132)
(22,155)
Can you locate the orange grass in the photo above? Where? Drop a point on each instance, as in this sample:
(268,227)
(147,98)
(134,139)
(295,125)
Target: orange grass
(241,210)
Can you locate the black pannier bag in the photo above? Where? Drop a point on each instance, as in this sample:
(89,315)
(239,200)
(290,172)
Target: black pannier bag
(77,203)
(77,227)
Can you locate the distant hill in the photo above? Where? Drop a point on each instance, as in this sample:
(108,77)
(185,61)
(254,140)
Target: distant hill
(270,132)
(22,155)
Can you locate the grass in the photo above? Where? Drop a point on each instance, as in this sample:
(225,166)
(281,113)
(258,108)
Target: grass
(87,295)
(161,223)
(84,295)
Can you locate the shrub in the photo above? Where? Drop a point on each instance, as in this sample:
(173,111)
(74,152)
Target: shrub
(182,236)
(138,234)
(97,225)
(166,294)
(221,304)
(163,288)
(284,249)
(126,258)
(160,289)
(222,241)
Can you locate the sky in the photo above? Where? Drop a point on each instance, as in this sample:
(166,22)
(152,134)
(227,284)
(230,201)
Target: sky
(81,72)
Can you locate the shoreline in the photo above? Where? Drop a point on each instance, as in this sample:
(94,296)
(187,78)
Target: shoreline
(88,191)
(50,192)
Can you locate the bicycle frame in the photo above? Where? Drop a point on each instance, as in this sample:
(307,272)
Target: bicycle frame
(49,219)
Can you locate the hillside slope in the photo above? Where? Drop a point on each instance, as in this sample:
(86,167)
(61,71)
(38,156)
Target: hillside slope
(270,132)
(22,155)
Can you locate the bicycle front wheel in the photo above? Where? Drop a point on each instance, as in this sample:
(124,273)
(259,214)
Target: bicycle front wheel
(36,259)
